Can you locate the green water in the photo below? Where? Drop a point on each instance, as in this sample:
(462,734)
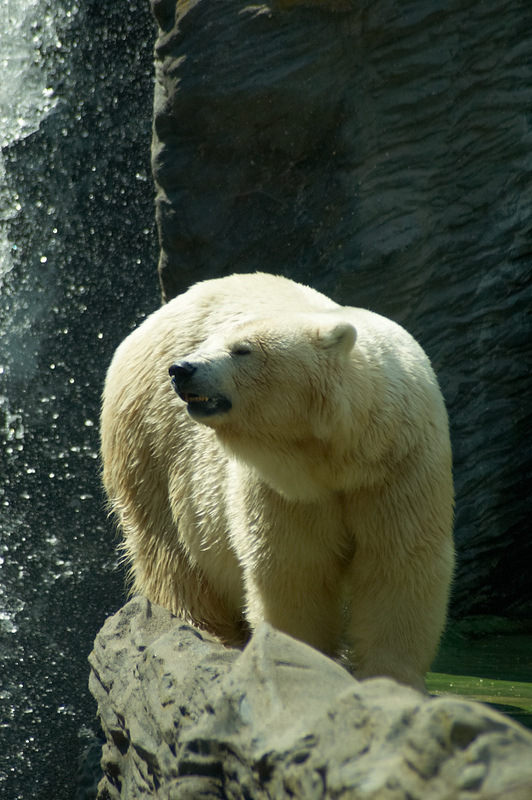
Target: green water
(487,659)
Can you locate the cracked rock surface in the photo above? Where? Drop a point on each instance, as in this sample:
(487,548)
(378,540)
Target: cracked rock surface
(185,718)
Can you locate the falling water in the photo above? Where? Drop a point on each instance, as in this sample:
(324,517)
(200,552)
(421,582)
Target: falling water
(77,271)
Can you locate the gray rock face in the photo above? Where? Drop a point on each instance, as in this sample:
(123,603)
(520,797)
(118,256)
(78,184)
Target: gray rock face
(380,153)
(187,718)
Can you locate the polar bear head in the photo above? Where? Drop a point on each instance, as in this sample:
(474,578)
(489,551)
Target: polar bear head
(269,378)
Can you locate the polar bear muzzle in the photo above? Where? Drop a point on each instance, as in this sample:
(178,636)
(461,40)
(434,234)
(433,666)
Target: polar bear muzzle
(188,385)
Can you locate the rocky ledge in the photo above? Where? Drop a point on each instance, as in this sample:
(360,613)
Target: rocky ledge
(186,718)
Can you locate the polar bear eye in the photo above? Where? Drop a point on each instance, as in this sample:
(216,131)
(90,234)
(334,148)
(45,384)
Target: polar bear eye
(241,350)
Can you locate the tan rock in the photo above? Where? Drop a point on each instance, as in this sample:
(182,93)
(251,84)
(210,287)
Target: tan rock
(186,717)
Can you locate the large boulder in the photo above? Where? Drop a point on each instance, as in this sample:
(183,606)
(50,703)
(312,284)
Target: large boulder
(379,152)
(187,718)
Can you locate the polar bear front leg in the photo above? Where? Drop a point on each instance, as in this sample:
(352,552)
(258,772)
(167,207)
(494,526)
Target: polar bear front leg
(303,603)
(398,587)
(292,573)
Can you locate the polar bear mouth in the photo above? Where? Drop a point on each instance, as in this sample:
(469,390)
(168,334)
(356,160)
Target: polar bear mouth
(204,406)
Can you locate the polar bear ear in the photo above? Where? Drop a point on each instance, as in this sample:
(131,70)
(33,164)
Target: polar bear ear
(340,337)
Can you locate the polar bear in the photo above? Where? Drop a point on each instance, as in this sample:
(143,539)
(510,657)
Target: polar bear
(272,455)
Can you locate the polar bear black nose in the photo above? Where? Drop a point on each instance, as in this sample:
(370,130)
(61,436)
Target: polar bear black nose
(182,372)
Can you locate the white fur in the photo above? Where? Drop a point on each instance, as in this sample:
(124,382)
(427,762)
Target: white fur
(329,478)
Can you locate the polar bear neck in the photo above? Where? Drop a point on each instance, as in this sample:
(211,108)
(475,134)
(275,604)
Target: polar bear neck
(302,470)
(286,469)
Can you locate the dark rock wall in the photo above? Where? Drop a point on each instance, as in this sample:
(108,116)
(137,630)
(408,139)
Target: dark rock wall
(379,151)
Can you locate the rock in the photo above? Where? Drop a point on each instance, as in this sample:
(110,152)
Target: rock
(185,717)
(379,153)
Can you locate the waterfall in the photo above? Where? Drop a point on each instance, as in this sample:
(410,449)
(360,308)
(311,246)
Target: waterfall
(27,30)
(77,271)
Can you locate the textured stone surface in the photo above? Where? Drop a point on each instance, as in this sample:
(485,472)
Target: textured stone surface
(381,153)
(185,717)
